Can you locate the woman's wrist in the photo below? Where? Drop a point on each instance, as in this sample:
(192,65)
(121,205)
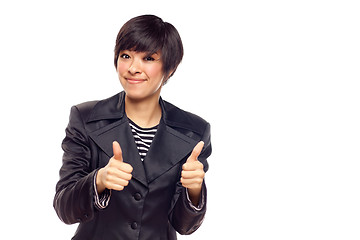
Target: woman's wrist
(99,186)
(194,195)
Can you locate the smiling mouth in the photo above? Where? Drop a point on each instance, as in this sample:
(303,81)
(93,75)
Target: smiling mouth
(134,80)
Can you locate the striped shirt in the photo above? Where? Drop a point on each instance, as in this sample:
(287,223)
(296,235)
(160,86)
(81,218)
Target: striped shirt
(143,138)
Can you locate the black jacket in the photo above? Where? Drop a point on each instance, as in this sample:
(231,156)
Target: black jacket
(154,204)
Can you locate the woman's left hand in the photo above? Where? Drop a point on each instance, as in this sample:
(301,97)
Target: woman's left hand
(193,174)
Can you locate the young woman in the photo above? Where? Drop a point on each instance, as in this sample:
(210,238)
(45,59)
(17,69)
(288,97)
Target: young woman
(134,164)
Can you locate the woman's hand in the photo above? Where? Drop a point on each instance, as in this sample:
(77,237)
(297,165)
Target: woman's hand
(193,174)
(116,174)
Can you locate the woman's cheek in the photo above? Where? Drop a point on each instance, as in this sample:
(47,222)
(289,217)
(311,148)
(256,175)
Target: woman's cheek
(121,68)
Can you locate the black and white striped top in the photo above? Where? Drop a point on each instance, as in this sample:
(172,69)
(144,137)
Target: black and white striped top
(143,138)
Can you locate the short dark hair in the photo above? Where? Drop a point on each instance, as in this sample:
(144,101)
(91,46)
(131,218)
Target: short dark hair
(149,33)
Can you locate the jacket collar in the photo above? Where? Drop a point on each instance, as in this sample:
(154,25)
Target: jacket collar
(168,148)
(114,108)
(111,108)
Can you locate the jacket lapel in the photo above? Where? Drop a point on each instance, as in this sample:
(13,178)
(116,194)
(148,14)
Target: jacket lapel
(120,131)
(167,149)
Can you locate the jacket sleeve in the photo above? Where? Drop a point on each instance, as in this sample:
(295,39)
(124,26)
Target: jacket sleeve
(74,198)
(183,217)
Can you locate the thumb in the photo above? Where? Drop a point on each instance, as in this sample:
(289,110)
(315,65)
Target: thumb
(117,151)
(196,151)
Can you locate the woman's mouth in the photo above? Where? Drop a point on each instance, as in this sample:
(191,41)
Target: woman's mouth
(135,80)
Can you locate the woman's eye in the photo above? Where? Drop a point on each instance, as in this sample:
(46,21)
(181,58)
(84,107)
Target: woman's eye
(149,59)
(125,56)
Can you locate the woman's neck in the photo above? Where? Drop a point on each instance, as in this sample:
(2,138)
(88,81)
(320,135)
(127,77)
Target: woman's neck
(145,113)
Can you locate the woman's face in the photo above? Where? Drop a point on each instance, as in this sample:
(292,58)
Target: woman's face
(140,74)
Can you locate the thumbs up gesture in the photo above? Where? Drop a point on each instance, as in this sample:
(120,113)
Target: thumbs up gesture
(193,174)
(116,174)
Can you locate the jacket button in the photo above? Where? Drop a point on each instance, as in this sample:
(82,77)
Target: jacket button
(137,196)
(134,225)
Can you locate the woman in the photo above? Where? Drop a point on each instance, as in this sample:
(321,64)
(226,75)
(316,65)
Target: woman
(133,164)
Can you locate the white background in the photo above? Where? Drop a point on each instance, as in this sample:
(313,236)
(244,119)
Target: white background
(277,80)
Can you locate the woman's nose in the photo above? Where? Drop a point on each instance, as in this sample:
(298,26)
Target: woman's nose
(134,68)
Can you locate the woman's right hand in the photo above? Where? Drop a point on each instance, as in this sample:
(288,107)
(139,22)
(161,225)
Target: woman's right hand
(116,174)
